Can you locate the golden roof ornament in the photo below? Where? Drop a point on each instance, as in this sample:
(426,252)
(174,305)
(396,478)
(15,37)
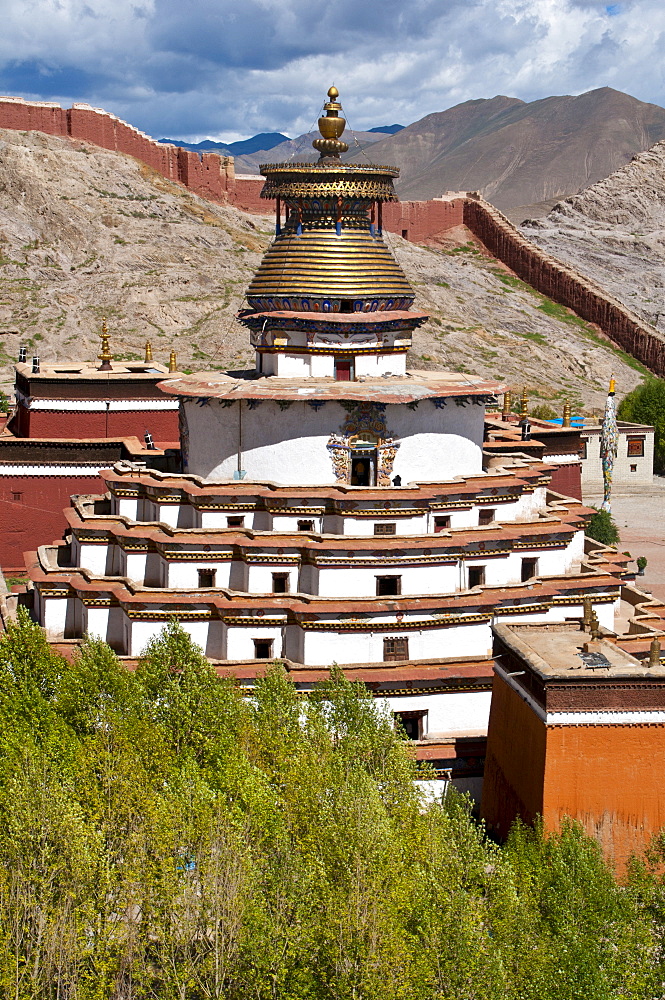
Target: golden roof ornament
(524,404)
(613,385)
(105,357)
(507,403)
(148,351)
(173,363)
(566,422)
(331,126)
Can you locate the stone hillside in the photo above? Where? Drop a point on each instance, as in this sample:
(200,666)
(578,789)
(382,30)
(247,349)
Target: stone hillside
(85,233)
(615,232)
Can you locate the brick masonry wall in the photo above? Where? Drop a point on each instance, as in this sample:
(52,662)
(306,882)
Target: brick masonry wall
(419,221)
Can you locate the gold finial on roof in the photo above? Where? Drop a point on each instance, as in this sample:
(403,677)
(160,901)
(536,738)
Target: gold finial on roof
(613,385)
(148,351)
(566,415)
(654,653)
(173,363)
(524,404)
(588,614)
(105,357)
(507,402)
(331,126)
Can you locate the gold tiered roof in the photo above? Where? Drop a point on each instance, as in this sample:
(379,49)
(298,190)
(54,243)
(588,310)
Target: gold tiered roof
(319,263)
(330,248)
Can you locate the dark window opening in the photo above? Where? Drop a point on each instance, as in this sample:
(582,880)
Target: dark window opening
(343,370)
(633,468)
(529,569)
(395,649)
(583,450)
(17,497)
(635,447)
(207,577)
(441,523)
(476,576)
(346,306)
(280,583)
(235,522)
(262,649)
(385,529)
(486,516)
(363,464)
(405,234)
(305,525)
(413,724)
(388,586)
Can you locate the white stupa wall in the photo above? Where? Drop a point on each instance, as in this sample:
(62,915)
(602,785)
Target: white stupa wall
(289,446)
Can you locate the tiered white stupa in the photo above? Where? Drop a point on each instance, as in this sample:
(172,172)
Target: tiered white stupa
(334,507)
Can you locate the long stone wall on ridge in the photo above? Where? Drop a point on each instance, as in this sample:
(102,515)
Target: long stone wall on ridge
(213,177)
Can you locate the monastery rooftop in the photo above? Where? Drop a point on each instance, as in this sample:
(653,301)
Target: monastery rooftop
(557,652)
(411,387)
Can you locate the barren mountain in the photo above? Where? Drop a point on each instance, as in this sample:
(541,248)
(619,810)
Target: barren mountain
(615,232)
(521,157)
(86,233)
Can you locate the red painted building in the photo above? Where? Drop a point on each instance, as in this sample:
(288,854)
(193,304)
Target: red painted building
(70,422)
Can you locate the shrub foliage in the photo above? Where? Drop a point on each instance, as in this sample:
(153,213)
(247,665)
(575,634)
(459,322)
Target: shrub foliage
(164,836)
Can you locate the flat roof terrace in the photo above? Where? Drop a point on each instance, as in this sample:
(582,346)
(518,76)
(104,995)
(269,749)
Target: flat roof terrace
(411,387)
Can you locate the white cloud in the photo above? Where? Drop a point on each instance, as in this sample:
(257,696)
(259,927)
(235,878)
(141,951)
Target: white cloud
(227,69)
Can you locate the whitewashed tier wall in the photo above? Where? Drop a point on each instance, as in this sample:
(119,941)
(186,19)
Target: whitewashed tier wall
(344,639)
(289,446)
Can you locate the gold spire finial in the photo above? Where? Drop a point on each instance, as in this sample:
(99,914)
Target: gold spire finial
(566,415)
(524,404)
(173,363)
(331,126)
(507,403)
(105,357)
(654,653)
(148,351)
(613,385)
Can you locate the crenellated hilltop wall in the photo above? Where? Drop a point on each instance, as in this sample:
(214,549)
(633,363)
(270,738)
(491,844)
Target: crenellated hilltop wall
(565,285)
(213,176)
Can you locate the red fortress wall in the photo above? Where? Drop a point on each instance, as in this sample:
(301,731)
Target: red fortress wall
(213,176)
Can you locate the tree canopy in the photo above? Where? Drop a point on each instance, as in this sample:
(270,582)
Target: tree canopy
(162,835)
(646,405)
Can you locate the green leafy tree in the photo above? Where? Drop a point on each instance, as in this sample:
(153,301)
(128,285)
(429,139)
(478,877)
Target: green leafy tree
(646,405)
(602,528)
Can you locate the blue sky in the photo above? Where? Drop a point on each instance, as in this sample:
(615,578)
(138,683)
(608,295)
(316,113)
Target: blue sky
(193,69)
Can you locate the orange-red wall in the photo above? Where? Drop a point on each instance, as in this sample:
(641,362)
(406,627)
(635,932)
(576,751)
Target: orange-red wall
(515,762)
(162,424)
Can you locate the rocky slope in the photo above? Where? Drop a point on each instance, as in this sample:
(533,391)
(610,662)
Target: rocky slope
(521,157)
(86,233)
(615,232)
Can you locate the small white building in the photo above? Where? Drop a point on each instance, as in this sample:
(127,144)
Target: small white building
(633,465)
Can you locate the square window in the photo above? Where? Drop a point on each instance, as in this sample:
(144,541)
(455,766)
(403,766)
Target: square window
(385,529)
(441,522)
(413,724)
(633,468)
(529,569)
(17,497)
(476,576)
(235,522)
(635,447)
(388,586)
(207,577)
(583,450)
(262,649)
(395,649)
(486,516)
(305,525)
(280,583)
